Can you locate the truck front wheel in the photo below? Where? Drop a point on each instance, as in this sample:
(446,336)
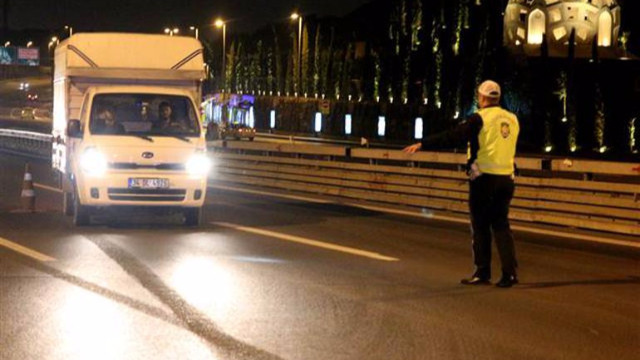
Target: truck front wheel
(67,203)
(81,213)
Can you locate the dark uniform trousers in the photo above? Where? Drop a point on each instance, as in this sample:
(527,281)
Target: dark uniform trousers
(489,199)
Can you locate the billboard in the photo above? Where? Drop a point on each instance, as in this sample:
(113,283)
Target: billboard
(11,55)
(28,56)
(8,55)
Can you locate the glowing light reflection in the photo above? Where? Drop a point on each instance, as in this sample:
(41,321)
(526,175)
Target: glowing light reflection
(205,284)
(91,327)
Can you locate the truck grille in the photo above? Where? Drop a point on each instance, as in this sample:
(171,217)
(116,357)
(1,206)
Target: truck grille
(134,166)
(151,195)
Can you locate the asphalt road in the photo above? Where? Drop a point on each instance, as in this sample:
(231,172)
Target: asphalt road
(276,278)
(13,101)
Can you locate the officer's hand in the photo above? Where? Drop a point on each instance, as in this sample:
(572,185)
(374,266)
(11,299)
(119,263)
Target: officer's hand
(412,149)
(474,171)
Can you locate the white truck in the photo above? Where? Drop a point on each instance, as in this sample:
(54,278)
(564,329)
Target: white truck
(126,124)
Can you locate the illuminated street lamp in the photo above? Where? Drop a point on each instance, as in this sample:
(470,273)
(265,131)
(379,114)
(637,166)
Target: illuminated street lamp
(70,29)
(54,41)
(297,17)
(171,32)
(196,30)
(8,43)
(30,43)
(220,24)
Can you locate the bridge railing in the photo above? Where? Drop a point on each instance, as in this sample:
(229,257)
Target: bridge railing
(601,196)
(26,143)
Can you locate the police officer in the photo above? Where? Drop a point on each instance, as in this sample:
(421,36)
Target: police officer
(492,134)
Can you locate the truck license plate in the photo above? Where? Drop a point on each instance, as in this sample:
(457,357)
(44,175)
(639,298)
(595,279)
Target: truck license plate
(148,183)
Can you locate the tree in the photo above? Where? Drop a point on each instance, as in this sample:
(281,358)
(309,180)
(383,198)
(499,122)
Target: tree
(327,62)
(270,73)
(280,75)
(316,61)
(600,119)
(304,66)
(230,68)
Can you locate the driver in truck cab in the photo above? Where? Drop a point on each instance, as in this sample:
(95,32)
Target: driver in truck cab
(166,119)
(106,122)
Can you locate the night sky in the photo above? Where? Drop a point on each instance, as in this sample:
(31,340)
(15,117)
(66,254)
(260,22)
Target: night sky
(154,15)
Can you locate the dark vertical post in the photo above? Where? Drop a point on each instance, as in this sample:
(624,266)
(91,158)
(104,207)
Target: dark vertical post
(5,18)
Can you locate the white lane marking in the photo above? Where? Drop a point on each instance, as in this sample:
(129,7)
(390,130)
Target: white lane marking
(431,215)
(305,241)
(45,187)
(25,251)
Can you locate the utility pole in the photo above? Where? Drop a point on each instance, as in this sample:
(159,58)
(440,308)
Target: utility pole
(5,18)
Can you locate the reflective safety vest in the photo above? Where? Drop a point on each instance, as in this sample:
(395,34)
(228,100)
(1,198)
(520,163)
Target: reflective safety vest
(497,139)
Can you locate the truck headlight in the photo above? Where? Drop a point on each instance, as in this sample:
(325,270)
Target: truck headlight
(198,164)
(93,162)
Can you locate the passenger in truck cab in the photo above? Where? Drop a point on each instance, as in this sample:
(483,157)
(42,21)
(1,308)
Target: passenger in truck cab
(106,122)
(166,120)
(145,115)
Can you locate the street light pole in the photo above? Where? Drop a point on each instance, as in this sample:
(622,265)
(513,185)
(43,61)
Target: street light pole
(296,16)
(194,28)
(222,25)
(67,27)
(54,42)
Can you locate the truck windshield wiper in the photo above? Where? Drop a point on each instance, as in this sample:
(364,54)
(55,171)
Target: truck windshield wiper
(143,137)
(183,138)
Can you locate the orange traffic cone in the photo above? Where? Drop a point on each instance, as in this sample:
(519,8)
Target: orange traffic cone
(28,196)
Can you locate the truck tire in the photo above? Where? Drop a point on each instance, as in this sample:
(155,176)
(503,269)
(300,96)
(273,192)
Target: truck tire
(81,213)
(67,203)
(193,216)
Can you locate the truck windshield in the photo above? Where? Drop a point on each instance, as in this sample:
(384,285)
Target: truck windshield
(143,115)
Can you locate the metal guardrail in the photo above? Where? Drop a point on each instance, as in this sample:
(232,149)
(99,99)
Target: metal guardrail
(26,143)
(307,139)
(607,200)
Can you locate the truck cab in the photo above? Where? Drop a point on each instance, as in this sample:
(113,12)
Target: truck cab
(126,129)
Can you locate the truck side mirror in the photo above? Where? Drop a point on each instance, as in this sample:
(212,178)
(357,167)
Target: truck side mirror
(73,128)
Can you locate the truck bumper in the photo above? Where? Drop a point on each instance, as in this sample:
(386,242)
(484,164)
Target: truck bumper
(112,189)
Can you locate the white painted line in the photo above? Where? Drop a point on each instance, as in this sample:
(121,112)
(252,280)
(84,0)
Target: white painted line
(45,187)
(532,230)
(25,251)
(305,241)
